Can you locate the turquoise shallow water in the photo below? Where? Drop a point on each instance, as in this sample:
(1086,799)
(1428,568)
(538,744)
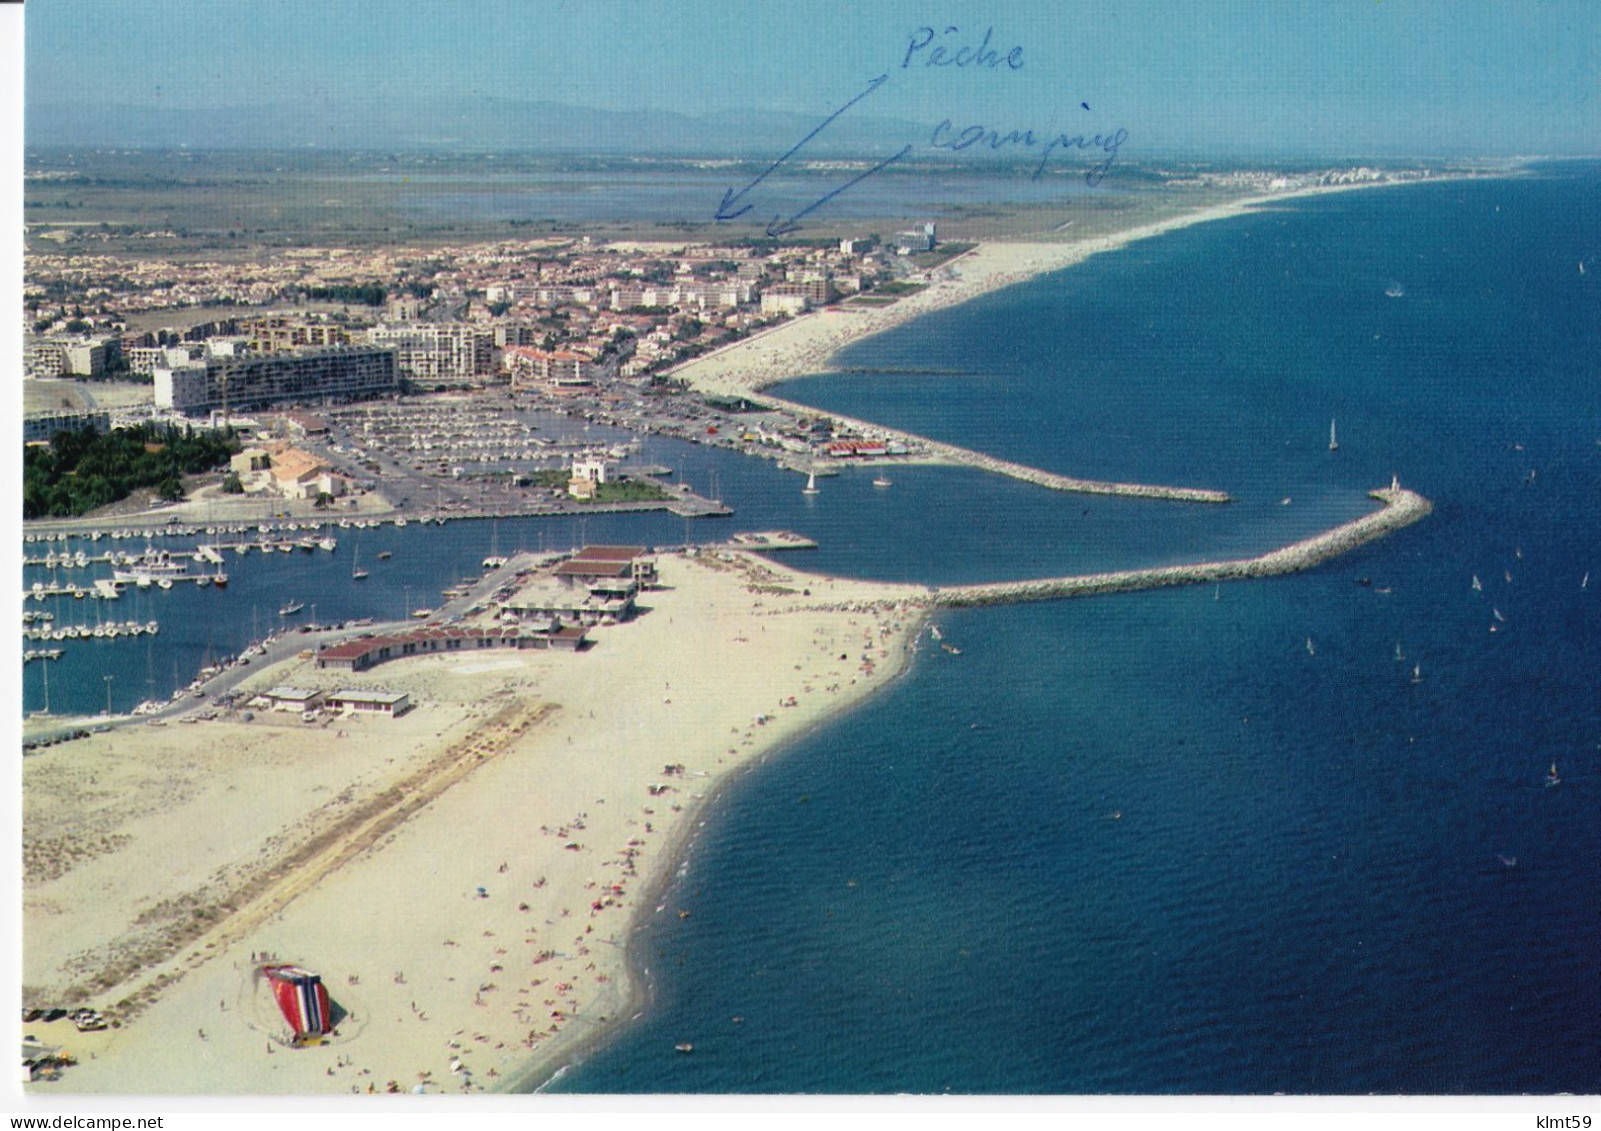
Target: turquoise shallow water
(1309,887)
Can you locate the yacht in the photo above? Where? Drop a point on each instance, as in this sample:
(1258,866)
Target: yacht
(150,566)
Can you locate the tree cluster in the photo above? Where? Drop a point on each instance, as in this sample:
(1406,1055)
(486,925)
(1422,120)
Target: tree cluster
(82,469)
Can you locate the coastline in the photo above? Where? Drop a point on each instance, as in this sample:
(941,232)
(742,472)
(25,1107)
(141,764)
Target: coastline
(560,1054)
(335,887)
(504,986)
(157,1050)
(808,344)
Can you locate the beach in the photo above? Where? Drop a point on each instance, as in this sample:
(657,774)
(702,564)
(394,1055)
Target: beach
(806,344)
(464,877)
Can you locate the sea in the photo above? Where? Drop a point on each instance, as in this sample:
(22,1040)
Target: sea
(1282,836)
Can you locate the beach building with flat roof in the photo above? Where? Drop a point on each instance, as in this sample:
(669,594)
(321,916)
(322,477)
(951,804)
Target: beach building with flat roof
(597,600)
(286,698)
(388,703)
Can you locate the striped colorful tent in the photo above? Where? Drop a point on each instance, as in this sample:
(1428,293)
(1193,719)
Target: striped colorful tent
(302,998)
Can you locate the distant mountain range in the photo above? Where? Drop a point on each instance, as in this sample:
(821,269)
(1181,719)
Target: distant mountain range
(476,124)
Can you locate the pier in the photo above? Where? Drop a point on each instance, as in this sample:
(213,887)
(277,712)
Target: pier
(1401,508)
(966,457)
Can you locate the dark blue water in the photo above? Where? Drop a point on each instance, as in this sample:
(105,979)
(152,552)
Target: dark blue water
(1323,877)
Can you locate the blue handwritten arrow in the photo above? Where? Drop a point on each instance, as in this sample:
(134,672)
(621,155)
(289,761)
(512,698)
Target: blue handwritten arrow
(730,197)
(780,226)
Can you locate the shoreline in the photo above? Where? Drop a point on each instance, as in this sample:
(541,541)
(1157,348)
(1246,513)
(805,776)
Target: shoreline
(198,1026)
(454,822)
(443,799)
(540,1074)
(810,343)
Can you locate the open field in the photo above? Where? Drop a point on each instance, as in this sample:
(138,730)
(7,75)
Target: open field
(240,207)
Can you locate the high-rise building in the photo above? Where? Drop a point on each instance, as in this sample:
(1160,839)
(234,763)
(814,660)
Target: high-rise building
(248,380)
(439,351)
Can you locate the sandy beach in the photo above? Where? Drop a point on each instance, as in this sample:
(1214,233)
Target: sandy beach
(805,345)
(359,848)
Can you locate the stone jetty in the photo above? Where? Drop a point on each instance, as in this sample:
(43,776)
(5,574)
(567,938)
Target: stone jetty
(1401,508)
(950,453)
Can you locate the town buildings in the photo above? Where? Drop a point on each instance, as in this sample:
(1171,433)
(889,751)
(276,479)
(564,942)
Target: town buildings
(434,352)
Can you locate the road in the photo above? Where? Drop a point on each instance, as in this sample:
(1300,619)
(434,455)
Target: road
(281,648)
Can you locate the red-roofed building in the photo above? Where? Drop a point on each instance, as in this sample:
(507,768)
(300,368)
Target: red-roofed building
(593,561)
(368,651)
(554,368)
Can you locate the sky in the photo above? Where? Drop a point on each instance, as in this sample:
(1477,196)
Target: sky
(1338,76)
